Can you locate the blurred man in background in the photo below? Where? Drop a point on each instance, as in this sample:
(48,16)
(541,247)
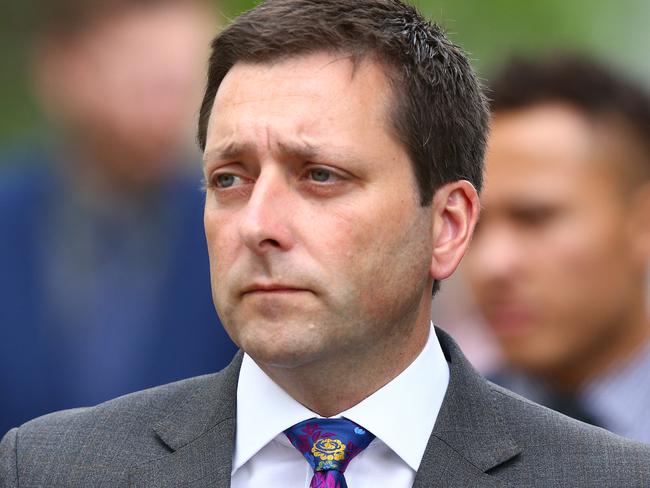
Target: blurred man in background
(559,261)
(104,284)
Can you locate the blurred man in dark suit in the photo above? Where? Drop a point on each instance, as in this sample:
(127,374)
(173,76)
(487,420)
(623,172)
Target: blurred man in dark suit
(560,258)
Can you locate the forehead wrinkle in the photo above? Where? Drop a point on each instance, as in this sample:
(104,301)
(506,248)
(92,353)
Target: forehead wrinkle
(307,151)
(233,150)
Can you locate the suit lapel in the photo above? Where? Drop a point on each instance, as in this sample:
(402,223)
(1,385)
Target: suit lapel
(469,437)
(200,434)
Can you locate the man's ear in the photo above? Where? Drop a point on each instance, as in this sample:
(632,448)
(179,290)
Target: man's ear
(455,213)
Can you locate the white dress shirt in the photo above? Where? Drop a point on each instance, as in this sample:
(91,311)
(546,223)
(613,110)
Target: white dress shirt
(401,415)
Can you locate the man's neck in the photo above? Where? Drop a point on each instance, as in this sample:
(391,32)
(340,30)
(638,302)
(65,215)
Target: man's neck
(337,384)
(615,351)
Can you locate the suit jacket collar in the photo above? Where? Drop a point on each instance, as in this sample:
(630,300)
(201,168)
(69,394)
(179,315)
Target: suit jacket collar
(468,439)
(200,434)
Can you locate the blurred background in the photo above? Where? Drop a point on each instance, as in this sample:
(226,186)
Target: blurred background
(488,31)
(46,116)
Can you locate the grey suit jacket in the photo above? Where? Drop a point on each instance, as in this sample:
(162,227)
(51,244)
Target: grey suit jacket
(183,434)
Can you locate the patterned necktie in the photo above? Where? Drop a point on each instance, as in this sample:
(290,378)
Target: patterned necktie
(329,445)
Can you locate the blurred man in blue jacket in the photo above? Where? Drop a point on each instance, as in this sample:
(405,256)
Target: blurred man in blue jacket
(104,284)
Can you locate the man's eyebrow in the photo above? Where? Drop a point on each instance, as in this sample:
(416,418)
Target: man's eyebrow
(235,150)
(228,151)
(305,151)
(302,150)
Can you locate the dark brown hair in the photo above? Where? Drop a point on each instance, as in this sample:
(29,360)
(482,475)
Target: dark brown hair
(439,112)
(596,91)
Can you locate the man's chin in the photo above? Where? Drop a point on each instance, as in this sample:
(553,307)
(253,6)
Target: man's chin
(288,352)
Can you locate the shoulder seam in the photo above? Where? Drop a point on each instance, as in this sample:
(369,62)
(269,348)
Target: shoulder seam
(513,397)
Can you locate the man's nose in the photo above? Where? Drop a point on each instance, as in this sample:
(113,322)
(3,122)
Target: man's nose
(267,219)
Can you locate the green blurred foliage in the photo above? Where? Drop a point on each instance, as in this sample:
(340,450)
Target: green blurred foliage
(492,30)
(489,30)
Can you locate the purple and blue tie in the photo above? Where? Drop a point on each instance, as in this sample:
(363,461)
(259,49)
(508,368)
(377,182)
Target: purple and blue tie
(329,445)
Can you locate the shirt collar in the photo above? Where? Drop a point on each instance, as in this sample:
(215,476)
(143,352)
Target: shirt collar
(263,411)
(401,414)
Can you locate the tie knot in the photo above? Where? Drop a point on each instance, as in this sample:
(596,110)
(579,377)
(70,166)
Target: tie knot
(329,444)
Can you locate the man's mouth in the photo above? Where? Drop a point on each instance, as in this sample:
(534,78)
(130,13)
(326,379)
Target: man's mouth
(272,288)
(510,319)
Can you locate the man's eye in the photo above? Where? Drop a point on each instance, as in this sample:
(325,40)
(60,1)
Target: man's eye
(226,180)
(535,216)
(320,175)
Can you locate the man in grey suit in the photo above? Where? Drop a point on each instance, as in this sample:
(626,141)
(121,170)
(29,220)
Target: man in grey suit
(343,147)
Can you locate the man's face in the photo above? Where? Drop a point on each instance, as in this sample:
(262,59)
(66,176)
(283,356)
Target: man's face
(318,246)
(553,263)
(129,82)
